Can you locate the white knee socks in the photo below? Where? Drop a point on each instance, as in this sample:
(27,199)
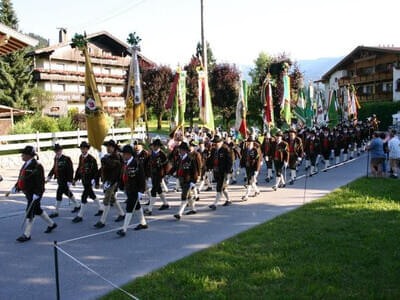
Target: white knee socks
(82,210)
(46,218)
(105,213)
(28,228)
(127,221)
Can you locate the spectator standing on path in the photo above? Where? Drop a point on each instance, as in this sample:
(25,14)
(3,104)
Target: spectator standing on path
(394,153)
(377,155)
(385,139)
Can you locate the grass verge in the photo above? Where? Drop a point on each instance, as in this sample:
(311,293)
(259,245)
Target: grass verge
(346,245)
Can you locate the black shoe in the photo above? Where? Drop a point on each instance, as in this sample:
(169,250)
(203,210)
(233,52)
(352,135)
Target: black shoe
(274,188)
(351,157)
(50,228)
(209,189)
(76,209)
(120,218)
(178,217)
(326,170)
(283,186)
(234,182)
(244,179)
(212,206)
(99,225)
(121,233)
(256,194)
(267,179)
(244,198)
(197,199)
(191,212)
(291,182)
(227,203)
(140,227)
(99,213)
(77,219)
(53,215)
(164,207)
(23,238)
(147,212)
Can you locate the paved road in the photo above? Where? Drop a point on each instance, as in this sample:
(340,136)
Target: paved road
(27,270)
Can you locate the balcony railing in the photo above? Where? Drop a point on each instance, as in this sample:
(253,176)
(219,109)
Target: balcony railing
(365,79)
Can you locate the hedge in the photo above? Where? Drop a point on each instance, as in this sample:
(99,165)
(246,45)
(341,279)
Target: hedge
(383,111)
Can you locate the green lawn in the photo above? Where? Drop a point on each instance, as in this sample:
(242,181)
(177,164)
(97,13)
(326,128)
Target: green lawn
(346,245)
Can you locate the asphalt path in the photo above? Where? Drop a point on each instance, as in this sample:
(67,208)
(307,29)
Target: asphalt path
(27,270)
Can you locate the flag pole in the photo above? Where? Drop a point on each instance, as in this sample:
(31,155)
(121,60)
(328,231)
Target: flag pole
(203,40)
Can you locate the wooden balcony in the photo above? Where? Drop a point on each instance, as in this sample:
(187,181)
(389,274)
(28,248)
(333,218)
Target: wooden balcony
(375,97)
(75,97)
(377,77)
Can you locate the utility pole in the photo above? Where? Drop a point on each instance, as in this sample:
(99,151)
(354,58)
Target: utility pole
(203,39)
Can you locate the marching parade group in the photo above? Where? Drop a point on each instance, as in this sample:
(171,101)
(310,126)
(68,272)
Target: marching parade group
(197,159)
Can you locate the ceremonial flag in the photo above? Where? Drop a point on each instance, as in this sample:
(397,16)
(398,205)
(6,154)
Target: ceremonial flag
(333,110)
(309,106)
(177,100)
(241,110)
(266,99)
(300,109)
(320,109)
(96,124)
(135,106)
(285,104)
(206,111)
(354,104)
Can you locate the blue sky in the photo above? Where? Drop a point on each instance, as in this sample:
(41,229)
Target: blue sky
(237,30)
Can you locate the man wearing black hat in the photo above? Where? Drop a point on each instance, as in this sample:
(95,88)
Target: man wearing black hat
(173,158)
(31,182)
(187,176)
(88,172)
(143,157)
(266,150)
(295,153)
(326,147)
(221,160)
(158,164)
(337,144)
(132,182)
(111,165)
(280,150)
(312,149)
(63,171)
(205,176)
(346,142)
(251,161)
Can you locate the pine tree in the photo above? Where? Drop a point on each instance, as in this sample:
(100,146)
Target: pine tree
(15,68)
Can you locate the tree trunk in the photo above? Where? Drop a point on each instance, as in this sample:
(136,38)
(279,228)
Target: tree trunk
(159,121)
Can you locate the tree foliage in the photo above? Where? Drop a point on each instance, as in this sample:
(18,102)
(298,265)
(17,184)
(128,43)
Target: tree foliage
(211,61)
(157,84)
(15,68)
(192,89)
(224,80)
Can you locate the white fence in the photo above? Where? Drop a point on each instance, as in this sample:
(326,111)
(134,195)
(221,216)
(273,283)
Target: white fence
(66,138)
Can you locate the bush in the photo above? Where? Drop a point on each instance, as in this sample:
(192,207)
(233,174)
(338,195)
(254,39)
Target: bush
(66,124)
(45,124)
(383,111)
(23,127)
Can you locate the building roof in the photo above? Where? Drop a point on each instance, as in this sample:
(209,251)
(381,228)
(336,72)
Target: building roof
(12,40)
(101,38)
(345,60)
(5,111)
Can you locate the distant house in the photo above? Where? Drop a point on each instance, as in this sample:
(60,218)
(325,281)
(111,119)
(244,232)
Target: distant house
(374,71)
(61,69)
